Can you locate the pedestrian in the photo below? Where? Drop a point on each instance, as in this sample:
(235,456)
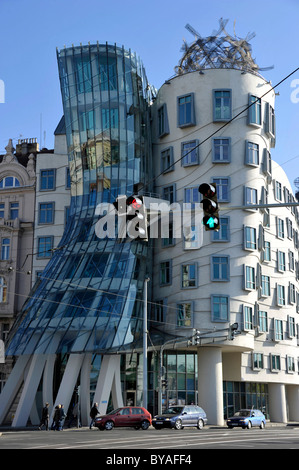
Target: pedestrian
(74,415)
(93,413)
(45,417)
(56,419)
(62,417)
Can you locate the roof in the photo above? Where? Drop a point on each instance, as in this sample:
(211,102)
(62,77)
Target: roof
(60,129)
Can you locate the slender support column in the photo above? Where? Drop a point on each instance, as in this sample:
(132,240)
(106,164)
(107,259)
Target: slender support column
(277,403)
(109,379)
(12,386)
(68,382)
(210,384)
(85,390)
(29,391)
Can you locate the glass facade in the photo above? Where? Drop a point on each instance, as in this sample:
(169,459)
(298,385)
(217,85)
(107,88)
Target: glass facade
(89,297)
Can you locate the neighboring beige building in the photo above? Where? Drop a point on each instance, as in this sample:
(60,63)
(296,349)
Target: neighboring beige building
(17,202)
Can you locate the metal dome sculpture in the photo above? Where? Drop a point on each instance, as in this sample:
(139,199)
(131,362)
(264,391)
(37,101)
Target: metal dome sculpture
(217,51)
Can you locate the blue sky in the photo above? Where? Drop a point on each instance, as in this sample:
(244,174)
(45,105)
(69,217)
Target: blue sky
(31,30)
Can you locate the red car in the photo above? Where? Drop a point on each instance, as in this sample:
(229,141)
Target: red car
(135,416)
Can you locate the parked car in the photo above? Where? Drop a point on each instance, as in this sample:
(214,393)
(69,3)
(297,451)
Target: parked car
(180,416)
(135,416)
(247,419)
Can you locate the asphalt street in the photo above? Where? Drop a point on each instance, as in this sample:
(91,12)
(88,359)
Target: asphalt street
(275,437)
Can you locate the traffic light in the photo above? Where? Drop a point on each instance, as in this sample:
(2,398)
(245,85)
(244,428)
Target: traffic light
(210,206)
(196,337)
(232,331)
(164,383)
(133,208)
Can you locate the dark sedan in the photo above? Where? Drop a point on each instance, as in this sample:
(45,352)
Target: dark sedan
(180,416)
(247,419)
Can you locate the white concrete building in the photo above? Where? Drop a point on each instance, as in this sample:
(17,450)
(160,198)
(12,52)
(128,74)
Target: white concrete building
(248,271)
(52,200)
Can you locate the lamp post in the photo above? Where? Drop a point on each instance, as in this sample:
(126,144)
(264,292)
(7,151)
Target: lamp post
(145,343)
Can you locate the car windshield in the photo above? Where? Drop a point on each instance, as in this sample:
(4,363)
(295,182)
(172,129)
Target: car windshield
(113,412)
(173,410)
(244,413)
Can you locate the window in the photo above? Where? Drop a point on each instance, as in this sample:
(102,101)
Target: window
(270,120)
(46,213)
(184,314)
(278,191)
(159,312)
(263,321)
(279,227)
(2,207)
(189,275)
(192,239)
(278,330)
(47,180)
(258,361)
(9,182)
(83,74)
(248,318)
(281,300)
(292,293)
(250,197)
(44,246)
(223,234)
(165,273)
(68,179)
(267,251)
(191,195)
(290,364)
(5,249)
(265,286)
(190,153)
(252,154)
(220,308)
(255,110)
(169,193)
(221,150)
(249,238)
(289,225)
(222,108)
(167,160)
(249,278)
(291,327)
(3,290)
(14,210)
(220,268)
(186,113)
(222,189)
(163,128)
(281,261)
(275,363)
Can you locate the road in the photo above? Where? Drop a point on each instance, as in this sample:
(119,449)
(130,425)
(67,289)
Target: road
(280,437)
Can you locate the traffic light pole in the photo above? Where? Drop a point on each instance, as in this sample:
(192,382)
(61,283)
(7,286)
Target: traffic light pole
(264,206)
(145,343)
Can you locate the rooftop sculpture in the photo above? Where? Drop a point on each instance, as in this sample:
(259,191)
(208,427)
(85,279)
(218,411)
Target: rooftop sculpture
(220,50)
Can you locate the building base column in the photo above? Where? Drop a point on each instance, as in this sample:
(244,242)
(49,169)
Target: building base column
(277,403)
(293,402)
(210,383)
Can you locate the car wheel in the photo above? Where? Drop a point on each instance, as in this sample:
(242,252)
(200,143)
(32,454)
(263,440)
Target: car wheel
(200,424)
(262,425)
(144,425)
(178,424)
(249,425)
(109,425)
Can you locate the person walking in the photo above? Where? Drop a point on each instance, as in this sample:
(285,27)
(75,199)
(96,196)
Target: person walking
(93,413)
(62,417)
(45,417)
(75,416)
(56,419)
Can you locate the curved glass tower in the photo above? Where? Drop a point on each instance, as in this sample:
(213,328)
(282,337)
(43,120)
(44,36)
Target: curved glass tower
(89,297)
